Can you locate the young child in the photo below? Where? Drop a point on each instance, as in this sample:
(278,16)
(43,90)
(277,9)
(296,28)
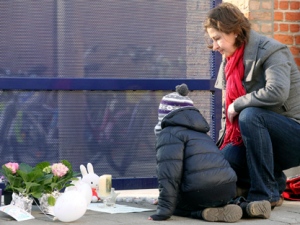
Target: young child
(194,178)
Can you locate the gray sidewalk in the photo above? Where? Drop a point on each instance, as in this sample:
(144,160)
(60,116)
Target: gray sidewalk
(288,213)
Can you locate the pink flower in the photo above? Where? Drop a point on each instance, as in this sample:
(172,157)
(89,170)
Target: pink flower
(59,169)
(12,166)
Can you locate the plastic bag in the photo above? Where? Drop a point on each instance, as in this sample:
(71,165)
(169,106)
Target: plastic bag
(292,190)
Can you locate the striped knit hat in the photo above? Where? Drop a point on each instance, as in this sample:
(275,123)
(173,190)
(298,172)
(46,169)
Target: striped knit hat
(171,102)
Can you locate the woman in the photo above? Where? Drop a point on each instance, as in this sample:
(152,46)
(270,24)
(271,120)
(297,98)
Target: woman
(260,127)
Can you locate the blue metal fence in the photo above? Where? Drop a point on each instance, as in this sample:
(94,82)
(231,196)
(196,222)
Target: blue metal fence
(124,84)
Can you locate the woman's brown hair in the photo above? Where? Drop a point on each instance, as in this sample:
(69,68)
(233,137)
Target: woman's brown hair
(227,18)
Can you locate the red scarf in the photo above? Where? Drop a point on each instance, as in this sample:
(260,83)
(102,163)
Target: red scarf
(234,72)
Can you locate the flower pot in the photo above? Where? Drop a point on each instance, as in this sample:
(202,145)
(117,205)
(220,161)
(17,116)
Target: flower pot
(44,203)
(23,202)
(7,197)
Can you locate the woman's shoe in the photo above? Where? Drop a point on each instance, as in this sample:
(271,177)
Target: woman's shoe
(260,209)
(278,203)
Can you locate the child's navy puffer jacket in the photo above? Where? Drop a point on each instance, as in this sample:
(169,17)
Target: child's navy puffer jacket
(187,158)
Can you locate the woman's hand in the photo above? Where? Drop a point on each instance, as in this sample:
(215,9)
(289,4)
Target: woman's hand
(231,113)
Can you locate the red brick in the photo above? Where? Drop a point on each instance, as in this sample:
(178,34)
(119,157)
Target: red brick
(276,4)
(266,28)
(297,39)
(294,28)
(254,5)
(283,5)
(255,26)
(295,50)
(263,16)
(266,5)
(285,39)
(297,60)
(294,5)
(284,27)
(292,16)
(278,16)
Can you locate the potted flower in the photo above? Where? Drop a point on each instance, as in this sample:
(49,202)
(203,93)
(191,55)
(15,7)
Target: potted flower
(24,182)
(43,182)
(56,177)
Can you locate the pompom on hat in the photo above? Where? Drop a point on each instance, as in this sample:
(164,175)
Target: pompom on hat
(171,102)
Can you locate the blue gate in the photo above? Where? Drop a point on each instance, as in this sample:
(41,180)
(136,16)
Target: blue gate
(82,81)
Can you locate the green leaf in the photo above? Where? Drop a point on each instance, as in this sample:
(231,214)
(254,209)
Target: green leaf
(20,190)
(46,179)
(42,165)
(37,194)
(25,168)
(51,200)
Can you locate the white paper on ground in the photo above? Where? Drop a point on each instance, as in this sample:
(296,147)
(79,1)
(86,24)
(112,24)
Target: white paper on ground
(100,207)
(16,212)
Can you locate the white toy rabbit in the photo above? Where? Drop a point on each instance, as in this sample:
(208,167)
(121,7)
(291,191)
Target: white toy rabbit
(89,177)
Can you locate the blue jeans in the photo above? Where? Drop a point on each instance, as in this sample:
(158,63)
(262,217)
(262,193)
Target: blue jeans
(272,144)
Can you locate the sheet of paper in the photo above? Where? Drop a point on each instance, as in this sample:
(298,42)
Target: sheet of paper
(100,207)
(16,212)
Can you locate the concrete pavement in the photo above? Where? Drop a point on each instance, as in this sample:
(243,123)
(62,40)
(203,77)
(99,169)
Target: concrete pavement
(288,213)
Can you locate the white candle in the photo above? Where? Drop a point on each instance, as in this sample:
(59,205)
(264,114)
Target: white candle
(104,185)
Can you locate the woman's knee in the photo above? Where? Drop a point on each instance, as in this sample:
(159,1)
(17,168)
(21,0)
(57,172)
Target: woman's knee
(248,114)
(235,155)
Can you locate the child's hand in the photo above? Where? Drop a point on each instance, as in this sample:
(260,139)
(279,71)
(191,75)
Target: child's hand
(158,217)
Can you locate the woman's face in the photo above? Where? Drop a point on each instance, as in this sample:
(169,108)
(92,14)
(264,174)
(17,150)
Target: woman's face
(223,43)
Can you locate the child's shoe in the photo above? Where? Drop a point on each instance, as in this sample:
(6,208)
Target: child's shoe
(261,209)
(229,213)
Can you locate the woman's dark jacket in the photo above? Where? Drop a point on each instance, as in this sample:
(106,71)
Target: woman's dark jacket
(187,158)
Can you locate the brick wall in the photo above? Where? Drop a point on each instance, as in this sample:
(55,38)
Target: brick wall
(279,19)
(287,25)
